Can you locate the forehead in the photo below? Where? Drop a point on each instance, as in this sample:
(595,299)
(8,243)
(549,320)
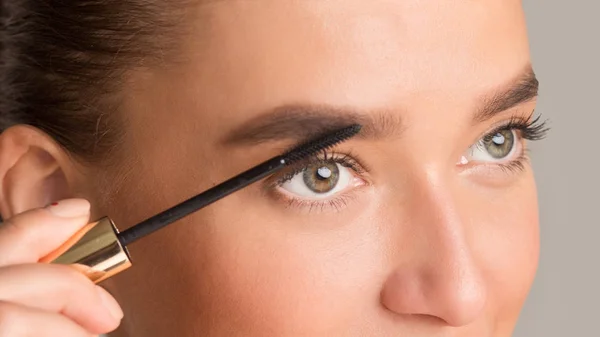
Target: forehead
(400,47)
(242,58)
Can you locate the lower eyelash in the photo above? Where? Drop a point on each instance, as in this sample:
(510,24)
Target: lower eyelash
(516,165)
(336,204)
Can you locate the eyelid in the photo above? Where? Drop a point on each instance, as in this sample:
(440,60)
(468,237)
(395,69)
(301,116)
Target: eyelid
(335,204)
(348,160)
(504,124)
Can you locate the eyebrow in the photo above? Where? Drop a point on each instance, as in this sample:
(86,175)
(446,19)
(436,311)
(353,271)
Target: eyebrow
(300,122)
(522,90)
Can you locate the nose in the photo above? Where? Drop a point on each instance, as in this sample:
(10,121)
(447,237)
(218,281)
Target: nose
(434,272)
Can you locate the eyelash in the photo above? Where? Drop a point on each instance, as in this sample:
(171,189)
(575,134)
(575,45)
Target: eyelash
(530,128)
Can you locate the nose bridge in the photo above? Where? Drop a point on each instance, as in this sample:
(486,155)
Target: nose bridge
(436,214)
(437,274)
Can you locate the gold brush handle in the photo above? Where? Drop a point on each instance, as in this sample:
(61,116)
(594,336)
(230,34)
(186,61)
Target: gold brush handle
(94,250)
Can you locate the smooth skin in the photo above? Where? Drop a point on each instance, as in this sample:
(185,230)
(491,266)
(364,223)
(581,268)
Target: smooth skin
(421,245)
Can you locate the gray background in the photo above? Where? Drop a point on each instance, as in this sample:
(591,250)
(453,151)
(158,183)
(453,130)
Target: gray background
(565,42)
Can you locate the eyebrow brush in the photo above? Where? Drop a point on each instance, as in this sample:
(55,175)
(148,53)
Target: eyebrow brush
(99,250)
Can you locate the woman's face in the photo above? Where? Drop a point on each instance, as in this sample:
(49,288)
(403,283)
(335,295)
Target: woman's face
(424,225)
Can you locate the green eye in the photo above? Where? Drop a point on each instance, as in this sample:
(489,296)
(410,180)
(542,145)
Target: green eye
(499,146)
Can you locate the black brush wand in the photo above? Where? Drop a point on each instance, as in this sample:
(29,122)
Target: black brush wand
(236,183)
(99,250)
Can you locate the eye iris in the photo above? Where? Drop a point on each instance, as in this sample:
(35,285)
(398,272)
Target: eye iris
(321,178)
(500,144)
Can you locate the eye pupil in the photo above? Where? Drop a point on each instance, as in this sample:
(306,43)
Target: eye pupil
(322,177)
(324,173)
(498,139)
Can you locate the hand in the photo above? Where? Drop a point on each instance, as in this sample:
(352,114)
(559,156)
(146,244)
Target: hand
(39,299)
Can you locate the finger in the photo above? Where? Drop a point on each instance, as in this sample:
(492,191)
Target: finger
(60,289)
(27,237)
(17,320)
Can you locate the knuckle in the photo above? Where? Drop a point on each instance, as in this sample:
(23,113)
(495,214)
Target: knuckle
(15,236)
(73,281)
(8,319)
(23,225)
(14,229)
(74,276)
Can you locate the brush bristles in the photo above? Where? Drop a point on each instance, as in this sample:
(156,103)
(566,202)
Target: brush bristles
(318,145)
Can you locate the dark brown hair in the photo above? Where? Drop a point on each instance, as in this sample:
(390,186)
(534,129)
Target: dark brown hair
(63,63)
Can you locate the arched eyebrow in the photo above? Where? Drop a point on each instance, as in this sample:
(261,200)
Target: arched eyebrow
(522,89)
(304,121)
(298,122)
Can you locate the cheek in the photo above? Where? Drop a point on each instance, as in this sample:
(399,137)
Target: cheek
(262,272)
(509,248)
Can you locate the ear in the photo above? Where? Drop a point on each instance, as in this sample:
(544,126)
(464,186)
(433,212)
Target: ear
(32,170)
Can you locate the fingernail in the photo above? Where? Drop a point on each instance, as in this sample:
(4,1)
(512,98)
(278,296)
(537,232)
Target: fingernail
(110,304)
(70,208)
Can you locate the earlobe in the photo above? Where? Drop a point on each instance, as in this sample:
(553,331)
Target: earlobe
(31,175)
